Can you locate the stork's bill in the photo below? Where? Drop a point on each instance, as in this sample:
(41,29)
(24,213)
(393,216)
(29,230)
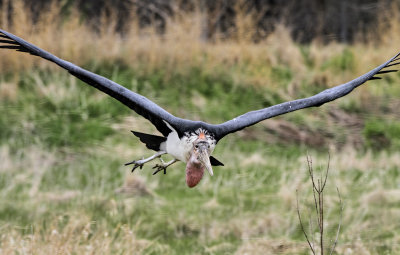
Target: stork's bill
(198,160)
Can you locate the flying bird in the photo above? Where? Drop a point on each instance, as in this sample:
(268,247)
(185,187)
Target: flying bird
(186,140)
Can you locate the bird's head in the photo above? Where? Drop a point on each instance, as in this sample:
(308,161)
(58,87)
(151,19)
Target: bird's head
(198,160)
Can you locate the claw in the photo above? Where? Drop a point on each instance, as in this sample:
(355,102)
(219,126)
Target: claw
(136,165)
(160,168)
(130,163)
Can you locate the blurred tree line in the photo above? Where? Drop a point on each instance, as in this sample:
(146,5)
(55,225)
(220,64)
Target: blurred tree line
(339,20)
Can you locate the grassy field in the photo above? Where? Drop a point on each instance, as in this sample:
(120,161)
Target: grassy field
(63,186)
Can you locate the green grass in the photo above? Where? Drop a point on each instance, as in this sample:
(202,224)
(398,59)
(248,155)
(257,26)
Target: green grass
(63,145)
(382,133)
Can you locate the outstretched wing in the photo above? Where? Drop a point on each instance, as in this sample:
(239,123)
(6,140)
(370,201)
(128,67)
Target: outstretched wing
(140,104)
(157,115)
(319,99)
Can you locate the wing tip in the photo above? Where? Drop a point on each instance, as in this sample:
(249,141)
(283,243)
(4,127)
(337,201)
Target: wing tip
(389,63)
(8,42)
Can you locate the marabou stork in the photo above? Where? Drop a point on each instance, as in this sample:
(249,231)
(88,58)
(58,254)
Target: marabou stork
(185,140)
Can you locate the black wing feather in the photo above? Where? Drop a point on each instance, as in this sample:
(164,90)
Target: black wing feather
(152,142)
(215,162)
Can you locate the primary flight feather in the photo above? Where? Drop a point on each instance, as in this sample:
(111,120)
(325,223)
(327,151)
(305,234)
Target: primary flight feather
(185,140)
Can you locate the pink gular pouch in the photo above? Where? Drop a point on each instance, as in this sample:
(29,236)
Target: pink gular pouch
(198,160)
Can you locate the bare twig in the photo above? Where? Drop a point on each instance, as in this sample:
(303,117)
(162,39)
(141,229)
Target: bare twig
(318,187)
(311,172)
(327,169)
(311,228)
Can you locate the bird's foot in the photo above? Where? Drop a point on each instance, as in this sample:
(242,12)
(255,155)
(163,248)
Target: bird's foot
(140,163)
(136,164)
(160,168)
(163,166)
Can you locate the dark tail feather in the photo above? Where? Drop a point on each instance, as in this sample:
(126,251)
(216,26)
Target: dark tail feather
(152,141)
(215,162)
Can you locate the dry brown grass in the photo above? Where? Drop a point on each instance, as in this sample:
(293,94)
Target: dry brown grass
(182,46)
(78,237)
(261,231)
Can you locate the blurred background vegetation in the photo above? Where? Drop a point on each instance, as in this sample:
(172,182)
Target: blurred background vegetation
(328,20)
(63,185)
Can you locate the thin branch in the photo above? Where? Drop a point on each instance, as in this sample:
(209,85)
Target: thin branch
(314,189)
(319,203)
(301,223)
(318,188)
(316,206)
(327,170)
(310,170)
(311,228)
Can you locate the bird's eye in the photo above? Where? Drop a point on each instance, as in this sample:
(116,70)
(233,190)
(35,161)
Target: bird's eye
(196,146)
(208,146)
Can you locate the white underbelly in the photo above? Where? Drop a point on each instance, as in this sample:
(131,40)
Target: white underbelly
(176,147)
